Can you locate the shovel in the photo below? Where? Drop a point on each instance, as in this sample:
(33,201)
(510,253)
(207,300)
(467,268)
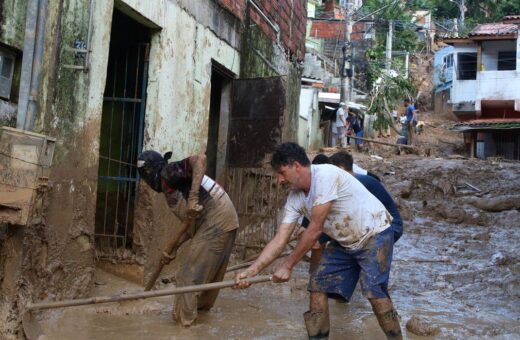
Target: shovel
(167,255)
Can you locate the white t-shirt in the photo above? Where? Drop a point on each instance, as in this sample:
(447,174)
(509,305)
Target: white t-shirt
(358,170)
(355,215)
(338,122)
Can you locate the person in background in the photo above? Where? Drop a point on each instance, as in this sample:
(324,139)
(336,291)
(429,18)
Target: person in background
(339,127)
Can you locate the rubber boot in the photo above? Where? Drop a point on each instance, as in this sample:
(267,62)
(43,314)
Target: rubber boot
(387,317)
(317,324)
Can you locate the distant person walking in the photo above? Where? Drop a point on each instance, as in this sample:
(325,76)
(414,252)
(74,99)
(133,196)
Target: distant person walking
(339,126)
(411,120)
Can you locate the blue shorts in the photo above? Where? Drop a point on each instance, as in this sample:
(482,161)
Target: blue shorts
(340,269)
(360,135)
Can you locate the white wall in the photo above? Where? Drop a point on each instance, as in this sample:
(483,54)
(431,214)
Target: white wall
(490,51)
(463,90)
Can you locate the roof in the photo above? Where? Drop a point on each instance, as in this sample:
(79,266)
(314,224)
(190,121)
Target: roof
(494,29)
(488,124)
(511,17)
(332,97)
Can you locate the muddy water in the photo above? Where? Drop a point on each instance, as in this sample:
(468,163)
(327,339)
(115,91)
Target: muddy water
(456,266)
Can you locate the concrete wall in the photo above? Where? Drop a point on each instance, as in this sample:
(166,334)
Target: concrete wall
(310,135)
(490,51)
(70,107)
(463,90)
(442,82)
(187,37)
(12,22)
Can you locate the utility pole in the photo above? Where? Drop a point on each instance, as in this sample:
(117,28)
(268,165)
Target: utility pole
(389,37)
(462,9)
(346,70)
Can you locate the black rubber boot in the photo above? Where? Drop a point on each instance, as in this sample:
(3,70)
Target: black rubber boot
(317,324)
(387,317)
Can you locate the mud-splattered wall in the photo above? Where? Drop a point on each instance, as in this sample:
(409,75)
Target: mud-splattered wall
(58,247)
(12,22)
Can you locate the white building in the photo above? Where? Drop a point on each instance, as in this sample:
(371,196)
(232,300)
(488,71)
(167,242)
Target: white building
(485,90)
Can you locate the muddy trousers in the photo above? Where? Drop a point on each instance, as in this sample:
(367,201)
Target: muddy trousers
(205,261)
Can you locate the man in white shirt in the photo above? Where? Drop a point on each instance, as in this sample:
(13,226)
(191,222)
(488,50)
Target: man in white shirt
(339,127)
(357,222)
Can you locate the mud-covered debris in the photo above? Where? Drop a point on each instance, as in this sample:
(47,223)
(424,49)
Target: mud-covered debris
(497,204)
(485,236)
(422,327)
(406,190)
(500,259)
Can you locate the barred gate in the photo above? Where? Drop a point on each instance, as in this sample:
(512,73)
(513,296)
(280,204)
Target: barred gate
(258,198)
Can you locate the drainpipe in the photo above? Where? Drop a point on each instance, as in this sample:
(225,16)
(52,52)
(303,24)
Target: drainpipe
(27,61)
(31,63)
(275,27)
(32,106)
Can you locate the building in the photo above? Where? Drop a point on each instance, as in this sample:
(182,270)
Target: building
(478,77)
(107,79)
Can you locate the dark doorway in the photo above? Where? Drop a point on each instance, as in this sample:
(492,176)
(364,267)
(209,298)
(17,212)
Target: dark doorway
(121,135)
(219,113)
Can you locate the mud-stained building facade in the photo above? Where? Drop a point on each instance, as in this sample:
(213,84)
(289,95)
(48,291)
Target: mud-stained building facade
(106,79)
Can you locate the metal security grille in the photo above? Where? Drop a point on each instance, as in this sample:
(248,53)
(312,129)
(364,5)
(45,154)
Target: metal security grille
(120,143)
(257,198)
(507,144)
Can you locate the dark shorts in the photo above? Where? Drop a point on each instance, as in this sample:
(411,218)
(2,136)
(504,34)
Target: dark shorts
(340,269)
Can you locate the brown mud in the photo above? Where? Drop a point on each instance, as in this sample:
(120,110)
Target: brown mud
(456,270)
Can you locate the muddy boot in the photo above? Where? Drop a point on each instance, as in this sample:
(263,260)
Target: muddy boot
(317,324)
(387,317)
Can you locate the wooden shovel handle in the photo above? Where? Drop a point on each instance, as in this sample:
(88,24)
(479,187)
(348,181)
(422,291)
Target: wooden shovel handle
(169,250)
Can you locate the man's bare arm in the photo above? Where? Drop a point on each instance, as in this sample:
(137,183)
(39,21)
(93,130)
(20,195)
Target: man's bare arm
(270,253)
(198,166)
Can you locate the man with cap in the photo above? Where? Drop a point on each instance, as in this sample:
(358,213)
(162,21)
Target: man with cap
(339,126)
(197,199)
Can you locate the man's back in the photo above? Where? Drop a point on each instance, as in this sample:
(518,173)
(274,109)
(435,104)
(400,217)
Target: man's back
(378,190)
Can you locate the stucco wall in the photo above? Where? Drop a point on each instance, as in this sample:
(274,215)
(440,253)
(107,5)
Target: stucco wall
(490,51)
(463,90)
(178,100)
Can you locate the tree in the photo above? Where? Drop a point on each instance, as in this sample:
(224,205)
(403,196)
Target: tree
(388,88)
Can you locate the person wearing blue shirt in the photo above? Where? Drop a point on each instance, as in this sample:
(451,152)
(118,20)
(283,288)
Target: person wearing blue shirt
(410,120)
(344,161)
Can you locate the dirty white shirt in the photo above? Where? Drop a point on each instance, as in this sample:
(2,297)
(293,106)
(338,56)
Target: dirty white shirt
(355,214)
(358,170)
(338,122)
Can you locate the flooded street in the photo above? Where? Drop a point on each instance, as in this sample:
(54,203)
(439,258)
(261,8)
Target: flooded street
(456,267)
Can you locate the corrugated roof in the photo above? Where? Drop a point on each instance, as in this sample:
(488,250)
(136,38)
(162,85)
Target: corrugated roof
(488,124)
(511,17)
(494,29)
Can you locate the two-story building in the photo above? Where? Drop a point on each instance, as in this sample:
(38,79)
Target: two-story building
(478,80)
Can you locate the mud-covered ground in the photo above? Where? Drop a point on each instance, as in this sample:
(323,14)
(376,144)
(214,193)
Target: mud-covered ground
(457,265)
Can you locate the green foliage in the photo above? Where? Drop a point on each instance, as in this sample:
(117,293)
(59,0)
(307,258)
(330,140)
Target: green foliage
(388,88)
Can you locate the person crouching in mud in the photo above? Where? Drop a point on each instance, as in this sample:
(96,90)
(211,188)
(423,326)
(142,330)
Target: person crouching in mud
(361,239)
(199,200)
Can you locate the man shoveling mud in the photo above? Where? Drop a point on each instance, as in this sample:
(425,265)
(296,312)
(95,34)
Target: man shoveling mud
(358,224)
(197,199)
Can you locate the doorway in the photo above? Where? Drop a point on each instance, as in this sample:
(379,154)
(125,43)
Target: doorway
(218,123)
(121,136)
